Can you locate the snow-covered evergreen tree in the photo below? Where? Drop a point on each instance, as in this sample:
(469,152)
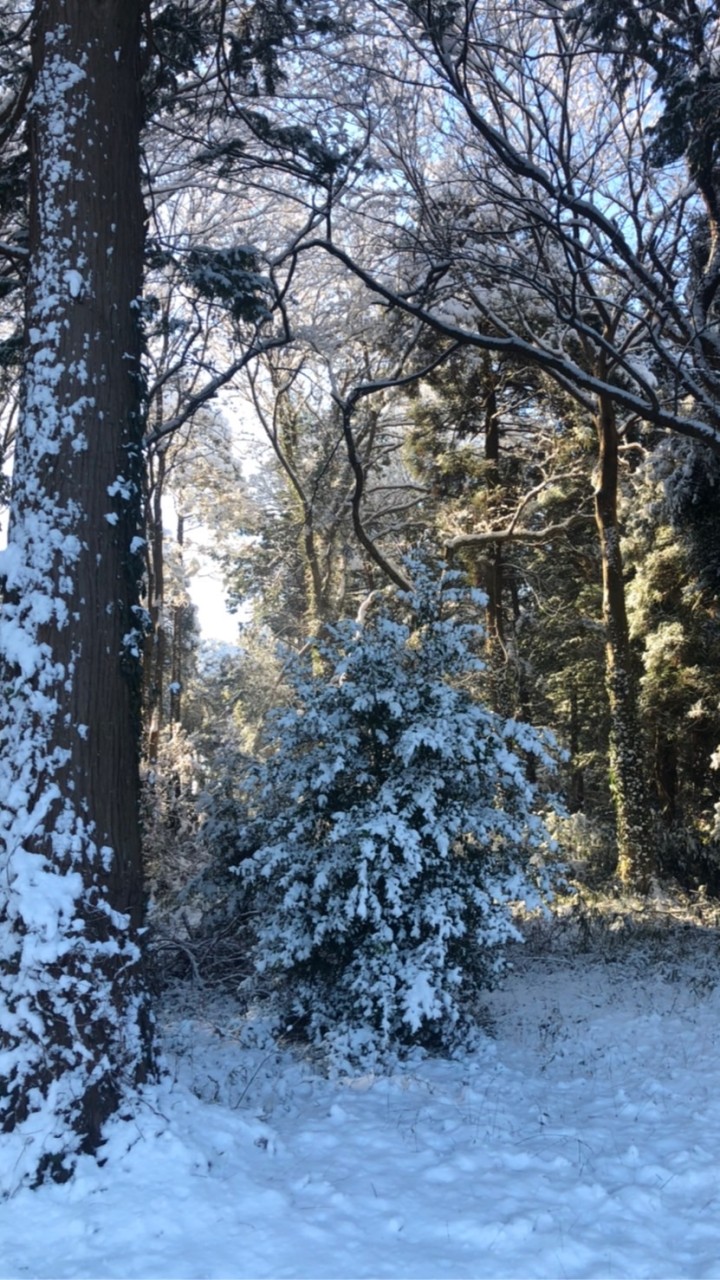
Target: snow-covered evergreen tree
(389,830)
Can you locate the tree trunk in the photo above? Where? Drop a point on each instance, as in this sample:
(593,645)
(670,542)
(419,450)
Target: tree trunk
(74,1029)
(666,773)
(627,764)
(492,576)
(576,801)
(178,628)
(154,655)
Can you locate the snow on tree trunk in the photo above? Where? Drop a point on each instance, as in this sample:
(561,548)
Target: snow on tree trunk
(74,1027)
(627,760)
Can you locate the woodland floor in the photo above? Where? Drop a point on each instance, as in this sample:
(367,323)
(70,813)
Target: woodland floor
(582,1140)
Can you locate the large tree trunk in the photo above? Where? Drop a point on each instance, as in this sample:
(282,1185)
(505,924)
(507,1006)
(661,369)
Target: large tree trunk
(73,1020)
(636,861)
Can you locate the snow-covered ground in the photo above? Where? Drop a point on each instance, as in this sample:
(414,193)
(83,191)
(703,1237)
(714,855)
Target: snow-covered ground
(582,1140)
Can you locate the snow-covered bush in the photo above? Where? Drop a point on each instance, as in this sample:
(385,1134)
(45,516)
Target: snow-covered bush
(389,831)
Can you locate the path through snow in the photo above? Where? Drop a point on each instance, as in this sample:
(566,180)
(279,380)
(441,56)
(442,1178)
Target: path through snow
(582,1141)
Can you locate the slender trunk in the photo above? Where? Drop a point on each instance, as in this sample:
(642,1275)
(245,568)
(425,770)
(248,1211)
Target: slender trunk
(577,777)
(627,764)
(496,653)
(155,640)
(316,611)
(74,1026)
(179,612)
(666,773)
(492,575)
(524,708)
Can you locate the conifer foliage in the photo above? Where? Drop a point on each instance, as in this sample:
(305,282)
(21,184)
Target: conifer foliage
(389,829)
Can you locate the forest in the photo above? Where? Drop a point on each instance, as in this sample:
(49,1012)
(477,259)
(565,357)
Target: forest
(402,315)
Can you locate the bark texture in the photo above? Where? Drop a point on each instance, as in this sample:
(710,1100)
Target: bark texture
(74,1028)
(636,861)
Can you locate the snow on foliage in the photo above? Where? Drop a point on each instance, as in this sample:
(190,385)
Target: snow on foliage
(229,276)
(389,830)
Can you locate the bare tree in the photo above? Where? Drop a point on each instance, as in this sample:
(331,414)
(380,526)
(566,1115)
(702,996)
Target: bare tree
(522,214)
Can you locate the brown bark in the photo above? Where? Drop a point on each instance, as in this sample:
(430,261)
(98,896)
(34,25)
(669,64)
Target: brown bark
(75,525)
(492,574)
(577,778)
(636,861)
(102,218)
(666,773)
(179,614)
(154,655)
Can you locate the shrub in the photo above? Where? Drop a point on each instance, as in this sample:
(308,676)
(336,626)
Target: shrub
(390,829)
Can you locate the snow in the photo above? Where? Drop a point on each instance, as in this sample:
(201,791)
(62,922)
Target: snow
(75,282)
(579,1140)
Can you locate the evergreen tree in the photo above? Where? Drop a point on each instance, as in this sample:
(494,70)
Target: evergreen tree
(674,599)
(389,830)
